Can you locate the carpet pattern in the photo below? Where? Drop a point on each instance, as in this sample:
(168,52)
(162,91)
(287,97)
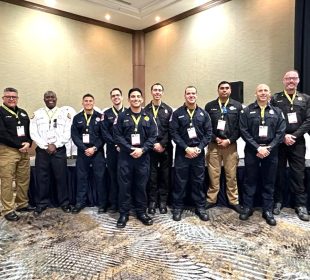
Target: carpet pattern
(89,246)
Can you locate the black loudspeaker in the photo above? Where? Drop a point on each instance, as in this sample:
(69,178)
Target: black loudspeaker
(237,91)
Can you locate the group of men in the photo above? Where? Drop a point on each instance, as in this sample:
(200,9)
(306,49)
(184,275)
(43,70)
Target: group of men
(139,152)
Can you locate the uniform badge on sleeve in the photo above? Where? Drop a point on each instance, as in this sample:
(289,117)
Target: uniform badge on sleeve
(146,118)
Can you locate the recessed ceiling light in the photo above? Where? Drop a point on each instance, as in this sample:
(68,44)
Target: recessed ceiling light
(107,17)
(157,19)
(51,3)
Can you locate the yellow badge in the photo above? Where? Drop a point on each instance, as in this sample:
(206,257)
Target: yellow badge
(146,118)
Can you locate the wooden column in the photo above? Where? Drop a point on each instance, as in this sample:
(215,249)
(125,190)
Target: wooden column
(138,60)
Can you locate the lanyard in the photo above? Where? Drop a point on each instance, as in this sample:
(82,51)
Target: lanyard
(50,117)
(115,111)
(223,107)
(155,111)
(191,114)
(136,121)
(291,100)
(12,112)
(262,113)
(87,118)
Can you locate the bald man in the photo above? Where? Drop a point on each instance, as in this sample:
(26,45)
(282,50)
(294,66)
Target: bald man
(262,127)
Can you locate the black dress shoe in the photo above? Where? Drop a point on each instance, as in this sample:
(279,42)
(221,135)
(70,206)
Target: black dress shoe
(210,205)
(302,213)
(102,209)
(163,208)
(27,208)
(145,219)
(237,207)
(38,211)
(152,208)
(66,208)
(277,208)
(202,214)
(177,215)
(122,221)
(268,216)
(77,209)
(247,212)
(12,217)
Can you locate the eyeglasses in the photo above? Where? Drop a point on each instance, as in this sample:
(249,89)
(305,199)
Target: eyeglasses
(11,97)
(291,78)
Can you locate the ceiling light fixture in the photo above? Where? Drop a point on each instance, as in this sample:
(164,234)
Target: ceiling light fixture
(107,17)
(50,3)
(157,19)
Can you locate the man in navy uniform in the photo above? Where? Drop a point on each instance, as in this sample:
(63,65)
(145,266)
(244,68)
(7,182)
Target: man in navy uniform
(87,135)
(14,158)
(135,135)
(112,150)
(296,109)
(161,155)
(262,127)
(50,129)
(191,130)
(224,113)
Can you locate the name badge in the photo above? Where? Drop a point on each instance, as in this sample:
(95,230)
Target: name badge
(51,137)
(221,125)
(86,138)
(192,132)
(263,131)
(292,117)
(20,131)
(135,139)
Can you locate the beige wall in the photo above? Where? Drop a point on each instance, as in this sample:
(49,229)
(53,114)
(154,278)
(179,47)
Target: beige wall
(40,51)
(247,40)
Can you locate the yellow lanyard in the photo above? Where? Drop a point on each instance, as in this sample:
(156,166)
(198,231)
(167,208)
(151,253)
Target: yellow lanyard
(12,112)
(291,100)
(136,121)
(50,117)
(225,105)
(262,113)
(87,118)
(115,112)
(155,111)
(191,114)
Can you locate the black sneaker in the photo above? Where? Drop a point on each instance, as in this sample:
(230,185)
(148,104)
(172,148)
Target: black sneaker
(247,212)
(268,216)
(302,213)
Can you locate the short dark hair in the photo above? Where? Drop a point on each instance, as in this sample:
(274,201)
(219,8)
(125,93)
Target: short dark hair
(88,95)
(132,90)
(222,83)
(49,92)
(190,87)
(157,84)
(116,89)
(10,89)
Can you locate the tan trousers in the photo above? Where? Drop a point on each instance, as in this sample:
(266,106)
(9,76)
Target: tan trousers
(14,164)
(229,157)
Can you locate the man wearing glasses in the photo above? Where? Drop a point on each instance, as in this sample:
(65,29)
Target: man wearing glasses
(14,159)
(224,113)
(112,149)
(296,109)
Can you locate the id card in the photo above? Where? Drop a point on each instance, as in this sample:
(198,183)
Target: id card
(192,132)
(292,117)
(263,131)
(221,125)
(20,131)
(86,138)
(135,139)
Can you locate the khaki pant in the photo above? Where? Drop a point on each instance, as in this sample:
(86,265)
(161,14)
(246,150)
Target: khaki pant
(229,157)
(14,164)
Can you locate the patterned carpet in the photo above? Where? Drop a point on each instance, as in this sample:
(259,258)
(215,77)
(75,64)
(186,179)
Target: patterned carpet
(89,246)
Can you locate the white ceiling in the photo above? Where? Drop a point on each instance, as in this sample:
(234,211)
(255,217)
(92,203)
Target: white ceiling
(133,14)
